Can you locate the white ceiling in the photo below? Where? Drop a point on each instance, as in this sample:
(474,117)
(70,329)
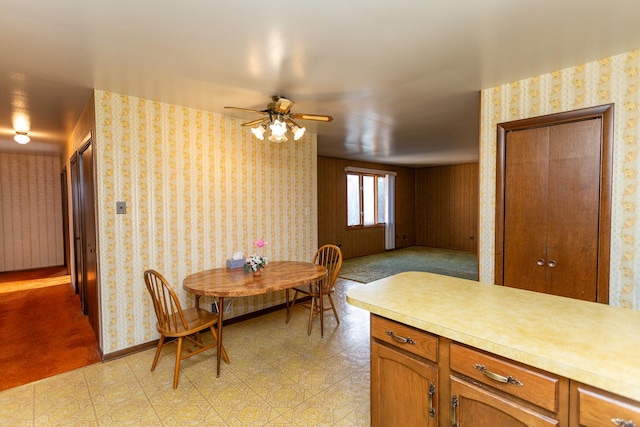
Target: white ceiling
(401,78)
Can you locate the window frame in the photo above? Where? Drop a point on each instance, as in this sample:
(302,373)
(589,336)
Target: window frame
(361,176)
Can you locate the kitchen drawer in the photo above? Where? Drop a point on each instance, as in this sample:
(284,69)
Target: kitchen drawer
(405,337)
(598,408)
(536,387)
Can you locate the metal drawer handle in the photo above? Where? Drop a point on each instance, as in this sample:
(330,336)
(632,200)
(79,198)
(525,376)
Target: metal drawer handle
(622,423)
(496,377)
(432,391)
(454,414)
(399,339)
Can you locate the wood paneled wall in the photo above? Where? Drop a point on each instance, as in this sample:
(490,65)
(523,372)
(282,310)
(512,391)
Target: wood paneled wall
(447,207)
(30,212)
(332,209)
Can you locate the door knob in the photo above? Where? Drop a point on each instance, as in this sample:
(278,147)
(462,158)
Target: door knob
(551,263)
(540,262)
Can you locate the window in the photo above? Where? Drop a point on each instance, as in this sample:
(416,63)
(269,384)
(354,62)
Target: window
(366,199)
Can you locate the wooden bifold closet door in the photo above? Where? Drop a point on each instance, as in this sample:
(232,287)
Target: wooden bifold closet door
(552,220)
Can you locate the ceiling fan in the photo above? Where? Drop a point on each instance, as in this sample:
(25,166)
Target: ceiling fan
(279,119)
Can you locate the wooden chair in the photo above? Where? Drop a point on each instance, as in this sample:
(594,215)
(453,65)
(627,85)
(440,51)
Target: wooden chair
(329,256)
(176,323)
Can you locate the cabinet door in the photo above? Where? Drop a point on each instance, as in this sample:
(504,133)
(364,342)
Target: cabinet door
(472,406)
(552,206)
(403,389)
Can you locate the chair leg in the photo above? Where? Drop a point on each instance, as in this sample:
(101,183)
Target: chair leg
(311,311)
(290,308)
(333,307)
(321,315)
(155,358)
(176,373)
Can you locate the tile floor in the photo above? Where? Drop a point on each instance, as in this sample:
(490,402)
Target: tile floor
(278,376)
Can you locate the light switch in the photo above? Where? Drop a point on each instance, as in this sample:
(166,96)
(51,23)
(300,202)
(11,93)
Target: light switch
(121,208)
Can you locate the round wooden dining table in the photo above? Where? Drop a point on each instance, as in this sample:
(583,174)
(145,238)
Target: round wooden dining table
(225,282)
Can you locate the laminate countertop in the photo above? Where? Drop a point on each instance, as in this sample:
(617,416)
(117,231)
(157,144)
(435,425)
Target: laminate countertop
(595,344)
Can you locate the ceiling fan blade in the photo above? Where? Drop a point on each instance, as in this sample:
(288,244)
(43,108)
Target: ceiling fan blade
(248,110)
(255,122)
(316,117)
(283,105)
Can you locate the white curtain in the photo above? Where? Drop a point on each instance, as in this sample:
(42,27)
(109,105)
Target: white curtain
(390,229)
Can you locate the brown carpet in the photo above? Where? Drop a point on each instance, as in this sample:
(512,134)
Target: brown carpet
(43,333)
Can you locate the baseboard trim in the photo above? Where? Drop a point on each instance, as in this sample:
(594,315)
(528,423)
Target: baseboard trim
(145,346)
(129,350)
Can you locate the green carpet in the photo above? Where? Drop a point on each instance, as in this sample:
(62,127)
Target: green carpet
(415,258)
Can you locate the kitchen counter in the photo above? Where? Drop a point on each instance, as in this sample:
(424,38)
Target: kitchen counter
(595,344)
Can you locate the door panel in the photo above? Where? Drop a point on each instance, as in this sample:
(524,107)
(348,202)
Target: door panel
(89,233)
(526,183)
(574,192)
(78,267)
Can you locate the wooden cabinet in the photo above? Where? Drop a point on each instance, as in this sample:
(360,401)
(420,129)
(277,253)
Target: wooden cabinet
(488,390)
(420,379)
(404,375)
(591,407)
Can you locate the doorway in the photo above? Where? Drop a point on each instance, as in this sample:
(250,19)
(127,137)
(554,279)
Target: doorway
(85,232)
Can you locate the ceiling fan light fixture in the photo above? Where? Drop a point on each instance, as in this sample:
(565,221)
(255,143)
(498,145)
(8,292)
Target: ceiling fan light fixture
(259,131)
(21,138)
(298,132)
(279,120)
(278,128)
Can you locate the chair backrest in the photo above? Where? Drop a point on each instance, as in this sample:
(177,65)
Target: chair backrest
(329,256)
(165,303)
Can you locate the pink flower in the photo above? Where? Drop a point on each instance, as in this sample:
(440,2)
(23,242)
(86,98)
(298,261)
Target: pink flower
(260,242)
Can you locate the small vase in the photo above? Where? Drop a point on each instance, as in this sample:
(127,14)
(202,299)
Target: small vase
(258,272)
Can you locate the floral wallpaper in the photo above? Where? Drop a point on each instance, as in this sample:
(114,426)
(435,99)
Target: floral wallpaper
(610,80)
(198,187)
